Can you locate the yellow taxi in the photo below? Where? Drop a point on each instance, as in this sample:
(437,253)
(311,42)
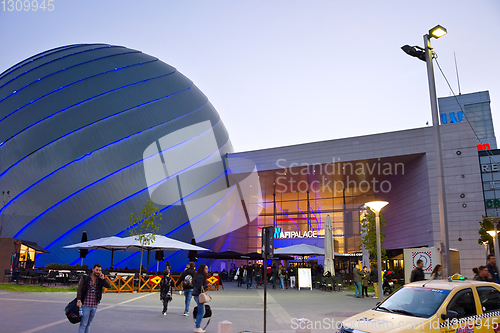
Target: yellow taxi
(455,305)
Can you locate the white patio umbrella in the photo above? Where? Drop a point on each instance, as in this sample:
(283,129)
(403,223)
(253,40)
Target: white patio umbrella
(301,250)
(329,248)
(160,243)
(105,243)
(94,244)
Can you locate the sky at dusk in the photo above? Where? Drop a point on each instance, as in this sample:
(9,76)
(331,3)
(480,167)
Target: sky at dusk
(287,72)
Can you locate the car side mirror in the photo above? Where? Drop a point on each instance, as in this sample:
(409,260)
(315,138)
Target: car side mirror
(449,315)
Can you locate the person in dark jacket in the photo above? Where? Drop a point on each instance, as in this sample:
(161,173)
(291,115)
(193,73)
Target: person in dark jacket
(187,280)
(484,274)
(364,282)
(258,275)
(240,273)
(249,276)
(374,278)
(292,273)
(89,294)
(492,268)
(200,281)
(274,275)
(166,285)
(418,273)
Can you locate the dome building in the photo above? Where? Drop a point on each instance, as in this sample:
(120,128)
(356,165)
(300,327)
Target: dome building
(89,133)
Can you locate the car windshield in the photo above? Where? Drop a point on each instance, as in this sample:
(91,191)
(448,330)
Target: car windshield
(411,301)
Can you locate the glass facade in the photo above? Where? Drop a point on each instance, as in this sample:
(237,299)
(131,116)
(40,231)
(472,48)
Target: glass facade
(300,211)
(480,114)
(490,173)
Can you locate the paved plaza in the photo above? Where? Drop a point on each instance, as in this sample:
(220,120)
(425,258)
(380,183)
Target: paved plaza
(127,312)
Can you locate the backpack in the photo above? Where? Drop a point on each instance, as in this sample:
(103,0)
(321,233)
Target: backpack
(188,281)
(72,312)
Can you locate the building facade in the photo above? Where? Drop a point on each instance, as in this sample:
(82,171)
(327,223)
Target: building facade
(302,184)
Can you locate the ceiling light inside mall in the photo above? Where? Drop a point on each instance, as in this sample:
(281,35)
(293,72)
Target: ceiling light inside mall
(437,32)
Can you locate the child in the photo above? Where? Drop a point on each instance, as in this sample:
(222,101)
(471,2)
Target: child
(166,285)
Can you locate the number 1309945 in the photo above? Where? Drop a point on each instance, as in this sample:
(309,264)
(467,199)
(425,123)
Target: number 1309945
(27,5)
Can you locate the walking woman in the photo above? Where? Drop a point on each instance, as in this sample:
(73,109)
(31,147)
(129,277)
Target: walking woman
(200,280)
(282,275)
(437,273)
(166,285)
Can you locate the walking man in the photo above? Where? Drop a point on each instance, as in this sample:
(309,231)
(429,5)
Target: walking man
(187,278)
(292,272)
(89,294)
(418,273)
(492,268)
(249,276)
(240,273)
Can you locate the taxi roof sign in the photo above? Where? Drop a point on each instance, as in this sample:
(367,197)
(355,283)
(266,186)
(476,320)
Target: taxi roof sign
(456,277)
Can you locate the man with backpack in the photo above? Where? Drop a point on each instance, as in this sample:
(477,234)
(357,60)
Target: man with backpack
(187,279)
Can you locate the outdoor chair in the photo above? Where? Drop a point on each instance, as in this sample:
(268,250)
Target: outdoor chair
(330,284)
(339,284)
(73,278)
(22,275)
(6,274)
(317,282)
(32,276)
(323,282)
(51,277)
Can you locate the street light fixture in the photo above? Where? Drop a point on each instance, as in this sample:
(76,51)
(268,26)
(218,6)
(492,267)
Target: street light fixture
(494,233)
(377,206)
(416,51)
(438,31)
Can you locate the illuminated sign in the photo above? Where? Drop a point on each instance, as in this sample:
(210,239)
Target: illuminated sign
(453,118)
(294,234)
(483,146)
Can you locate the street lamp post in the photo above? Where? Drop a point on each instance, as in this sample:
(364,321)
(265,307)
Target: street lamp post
(494,220)
(426,55)
(377,206)
(486,249)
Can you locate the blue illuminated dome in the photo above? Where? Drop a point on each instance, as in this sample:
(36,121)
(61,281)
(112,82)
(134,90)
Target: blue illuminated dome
(75,122)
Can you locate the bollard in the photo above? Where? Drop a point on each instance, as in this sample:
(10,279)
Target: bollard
(225,327)
(304,326)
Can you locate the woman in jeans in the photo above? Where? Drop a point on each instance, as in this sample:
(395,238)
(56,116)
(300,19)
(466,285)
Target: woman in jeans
(282,276)
(200,280)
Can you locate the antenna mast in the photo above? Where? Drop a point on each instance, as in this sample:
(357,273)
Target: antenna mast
(458,79)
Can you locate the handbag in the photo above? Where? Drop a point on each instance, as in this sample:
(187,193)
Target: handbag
(208,314)
(204,297)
